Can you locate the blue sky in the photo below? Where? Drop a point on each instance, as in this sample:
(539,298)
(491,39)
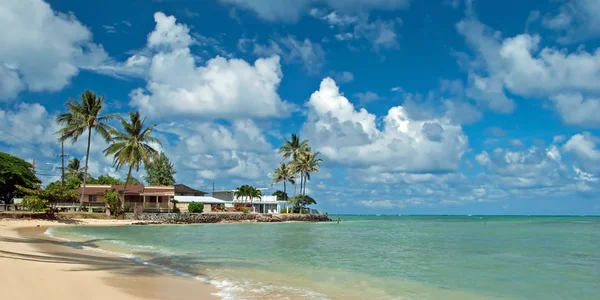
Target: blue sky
(471,107)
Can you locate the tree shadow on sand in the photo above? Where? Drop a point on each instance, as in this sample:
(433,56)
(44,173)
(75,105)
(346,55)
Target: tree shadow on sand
(59,252)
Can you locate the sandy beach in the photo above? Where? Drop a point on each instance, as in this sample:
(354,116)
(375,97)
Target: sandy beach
(35,266)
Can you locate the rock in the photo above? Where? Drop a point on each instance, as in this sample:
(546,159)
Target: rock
(189,218)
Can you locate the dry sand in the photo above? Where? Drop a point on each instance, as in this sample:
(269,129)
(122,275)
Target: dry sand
(35,266)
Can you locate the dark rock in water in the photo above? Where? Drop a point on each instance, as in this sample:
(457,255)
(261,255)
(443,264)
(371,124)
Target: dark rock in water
(189,218)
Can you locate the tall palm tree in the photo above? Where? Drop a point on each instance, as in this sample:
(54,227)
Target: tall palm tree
(291,149)
(242,192)
(132,147)
(75,170)
(307,163)
(84,117)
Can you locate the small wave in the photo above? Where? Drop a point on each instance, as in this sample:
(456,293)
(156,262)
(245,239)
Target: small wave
(227,289)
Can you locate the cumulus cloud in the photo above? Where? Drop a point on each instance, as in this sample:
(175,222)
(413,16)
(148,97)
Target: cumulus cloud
(575,20)
(209,151)
(311,55)
(222,88)
(584,149)
(519,65)
(401,144)
(42,55)
(291,11)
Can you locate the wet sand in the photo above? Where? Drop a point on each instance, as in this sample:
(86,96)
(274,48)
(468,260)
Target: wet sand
(36,266)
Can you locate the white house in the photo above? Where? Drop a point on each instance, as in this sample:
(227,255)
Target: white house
(265,204)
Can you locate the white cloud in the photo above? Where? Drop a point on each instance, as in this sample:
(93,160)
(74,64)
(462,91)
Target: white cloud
(583,148)
(519,66)
(222,88)
(344,77)
(381,34)
(367,97)
(575,20)
(291,11)
(209,151)
(576,110)
(353,138)
(307,53)
(42,55)
(530,168)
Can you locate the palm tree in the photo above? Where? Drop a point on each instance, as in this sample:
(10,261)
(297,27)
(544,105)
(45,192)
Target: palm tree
(291,149)
(84,117)
(308,162)
(132,146)
(74,169)
(284,173)
(248,191)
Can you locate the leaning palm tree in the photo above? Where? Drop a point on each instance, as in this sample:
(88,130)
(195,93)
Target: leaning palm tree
(132,147)
(308,162)
(75,170)
(81,118)
(285,174)
(291,149)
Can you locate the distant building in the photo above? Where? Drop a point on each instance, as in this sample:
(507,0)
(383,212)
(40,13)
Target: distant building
(184,190)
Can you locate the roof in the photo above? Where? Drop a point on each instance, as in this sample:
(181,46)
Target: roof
(184,189)
(137,189)
(200,199)
(222,191)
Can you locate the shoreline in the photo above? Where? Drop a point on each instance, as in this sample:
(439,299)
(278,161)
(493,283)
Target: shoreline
(47,267)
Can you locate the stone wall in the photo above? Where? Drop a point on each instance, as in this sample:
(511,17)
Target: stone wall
(188,218)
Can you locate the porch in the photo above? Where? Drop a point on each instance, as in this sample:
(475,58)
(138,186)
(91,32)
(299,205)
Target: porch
(149,202)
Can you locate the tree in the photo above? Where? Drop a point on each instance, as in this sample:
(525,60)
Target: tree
(160,171)
(307,163)
(15,172)
(84,117)
(74,169)
(282,196)
(284,173)
(132,147)
(248,191)
(303,200)
(53,193)
(291,149)
(109,180)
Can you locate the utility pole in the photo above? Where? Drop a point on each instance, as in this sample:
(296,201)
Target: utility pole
(62,156)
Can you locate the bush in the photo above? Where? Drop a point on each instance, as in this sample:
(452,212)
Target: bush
(35,204)
(175,210)
(245,210)
(113,201)
(239,207)
(195,207)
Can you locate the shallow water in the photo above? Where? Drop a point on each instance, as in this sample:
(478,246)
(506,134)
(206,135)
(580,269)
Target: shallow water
(368,257)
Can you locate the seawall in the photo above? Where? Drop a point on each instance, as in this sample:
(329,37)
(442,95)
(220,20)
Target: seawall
(188,218)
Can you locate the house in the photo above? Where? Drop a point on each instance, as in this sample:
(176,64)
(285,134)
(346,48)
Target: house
(184,190)
(152,198)
(265,204)
(210,204)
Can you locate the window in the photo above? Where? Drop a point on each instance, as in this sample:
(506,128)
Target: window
(92,198)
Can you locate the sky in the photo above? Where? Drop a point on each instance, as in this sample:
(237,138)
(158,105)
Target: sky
(417,107)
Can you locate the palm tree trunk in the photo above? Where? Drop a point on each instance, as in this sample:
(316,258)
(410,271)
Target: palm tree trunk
(87,157)
(125,187)
(285,195)
(294,197)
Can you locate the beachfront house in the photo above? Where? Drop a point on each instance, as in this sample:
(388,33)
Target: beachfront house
(225,201)
(147,198)
(184,190)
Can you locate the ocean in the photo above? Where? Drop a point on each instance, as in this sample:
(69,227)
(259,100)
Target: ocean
(374,257)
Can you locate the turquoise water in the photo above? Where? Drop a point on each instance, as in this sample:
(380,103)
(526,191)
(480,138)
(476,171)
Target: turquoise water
(369,257)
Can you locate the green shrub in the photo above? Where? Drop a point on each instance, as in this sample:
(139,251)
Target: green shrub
(245,210)
(113,201)
(194,207)
(35,204)
(175,210)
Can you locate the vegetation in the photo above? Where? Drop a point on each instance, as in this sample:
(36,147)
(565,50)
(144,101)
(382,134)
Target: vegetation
(281,196)
(175,209)
(247,192)
(194,207)
(302,161)
(53,193)
(160,171)
(245,210)
(111,198)
(291,149)
(132,147)
(82,118)
(75,170)
(284,174)
(15,172)
(109,180)
(35,204)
